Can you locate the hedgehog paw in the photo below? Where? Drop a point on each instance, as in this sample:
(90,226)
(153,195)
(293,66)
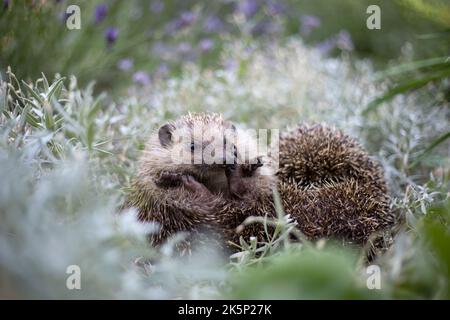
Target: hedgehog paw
(234,175)
(191,184)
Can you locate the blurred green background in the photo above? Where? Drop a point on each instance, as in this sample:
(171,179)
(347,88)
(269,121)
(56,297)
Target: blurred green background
(156,37)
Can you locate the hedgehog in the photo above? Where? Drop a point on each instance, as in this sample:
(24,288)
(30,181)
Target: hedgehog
(177,188)
(329,184)
(344,190)
(326,180)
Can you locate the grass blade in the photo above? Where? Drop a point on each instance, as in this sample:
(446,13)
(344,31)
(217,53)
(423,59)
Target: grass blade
(54,88)
(404,87)
(413,66)
(34,93)
(430,148)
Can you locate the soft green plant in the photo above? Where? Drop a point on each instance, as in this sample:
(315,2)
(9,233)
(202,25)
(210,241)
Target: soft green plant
(59,203)
(306,273)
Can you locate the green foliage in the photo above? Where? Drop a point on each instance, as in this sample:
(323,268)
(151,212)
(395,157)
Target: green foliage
(34,37)
(430,70)
(437,236)
(436,10)
(60,196)
(327,273)
(400,26)
(417,266)
(419,262)
(416,75)
(430,148)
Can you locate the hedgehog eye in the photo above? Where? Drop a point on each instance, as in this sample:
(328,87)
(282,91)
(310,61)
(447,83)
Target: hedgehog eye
(192,146)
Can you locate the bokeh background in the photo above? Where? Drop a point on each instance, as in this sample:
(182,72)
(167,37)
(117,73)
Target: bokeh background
(124,41)
(77,105)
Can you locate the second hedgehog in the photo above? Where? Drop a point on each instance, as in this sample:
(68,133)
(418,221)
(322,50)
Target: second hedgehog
(329,185)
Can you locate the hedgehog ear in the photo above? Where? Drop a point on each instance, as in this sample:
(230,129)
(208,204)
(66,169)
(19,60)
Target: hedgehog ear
(165,135)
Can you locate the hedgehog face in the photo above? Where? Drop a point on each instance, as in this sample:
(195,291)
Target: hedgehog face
(200,145)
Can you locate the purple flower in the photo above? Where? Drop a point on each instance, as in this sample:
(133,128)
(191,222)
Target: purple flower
(141,77)
(275,8)
(248,7)
(230,64)
(266,27)
(125,64)
(161,49)
(100,13)
(326,46)
(157,6)
(184,47)
(213,24)
(185,19)
(6,4)
(344,41)
(111,35)
(162,70)
(206,44)
(185,51)
(308,24)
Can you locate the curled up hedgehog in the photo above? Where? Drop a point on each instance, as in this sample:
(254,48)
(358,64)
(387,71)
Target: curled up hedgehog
(326,180)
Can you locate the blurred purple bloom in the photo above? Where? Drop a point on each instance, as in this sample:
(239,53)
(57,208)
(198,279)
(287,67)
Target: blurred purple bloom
(184,47)
(275,8)
(160,49)
(125,64)
(206,44)
(6,4)
(100,13)
(185,51)
(162,70)
(157,6)
(308,24)
(213,24)
(111,35)
(248,7)
(230,64)
(185,19)
(266,27)
(188,17)
(326,46)
(141,77)
(344,41)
